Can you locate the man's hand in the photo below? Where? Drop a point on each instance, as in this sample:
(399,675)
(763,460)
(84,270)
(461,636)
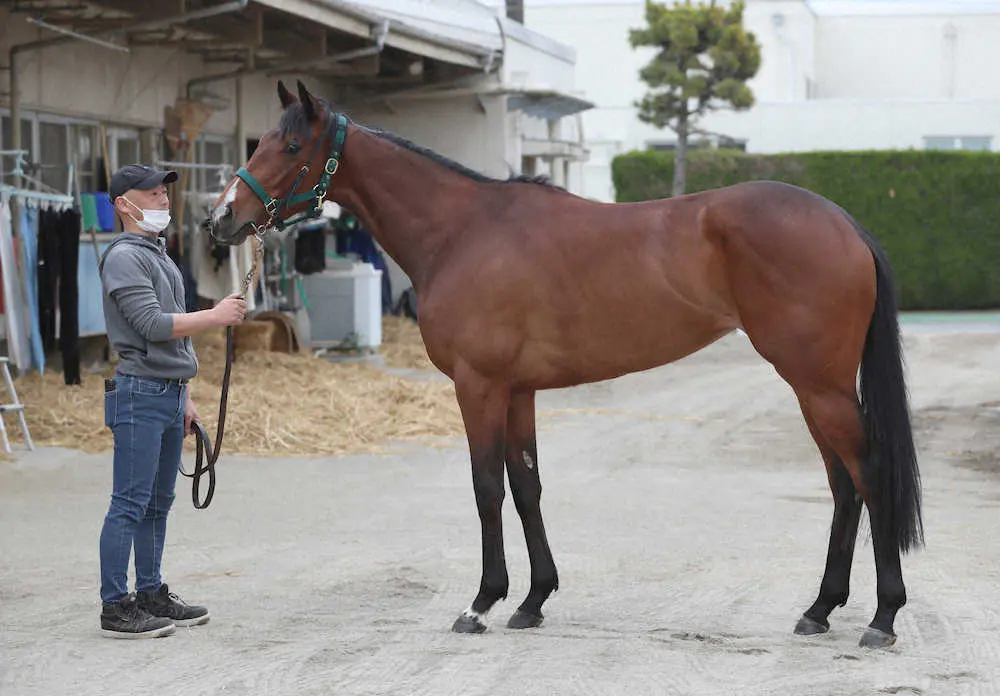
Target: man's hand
(231,310)
(190,416)
(228,312)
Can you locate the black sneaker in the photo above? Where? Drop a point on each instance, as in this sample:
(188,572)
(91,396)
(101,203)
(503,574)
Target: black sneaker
(168,605)
(126,619)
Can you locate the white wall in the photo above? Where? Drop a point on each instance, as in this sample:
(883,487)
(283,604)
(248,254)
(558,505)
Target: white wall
(857,124)
(533,57)
(909,57)
(834,75)
(786,31)
(457,128)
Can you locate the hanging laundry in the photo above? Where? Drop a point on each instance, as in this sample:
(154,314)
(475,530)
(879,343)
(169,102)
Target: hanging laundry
(29,265)
(68,225)
(58,259)
(17,336)
(48,278)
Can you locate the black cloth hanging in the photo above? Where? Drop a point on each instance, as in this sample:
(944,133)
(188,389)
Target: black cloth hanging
(310,250)
(58,258)
(48,279)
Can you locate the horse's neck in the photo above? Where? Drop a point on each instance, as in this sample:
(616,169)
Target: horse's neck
(412,206)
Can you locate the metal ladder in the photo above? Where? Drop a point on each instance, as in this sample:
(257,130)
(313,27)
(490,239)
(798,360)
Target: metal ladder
(16,406)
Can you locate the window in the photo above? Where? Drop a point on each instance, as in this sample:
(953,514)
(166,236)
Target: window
(210,149)
(953,142)
(53,143)
(84,141)
(53,155)
(127,151)
(977,143)
(661,146)
(7,142)
(123,146)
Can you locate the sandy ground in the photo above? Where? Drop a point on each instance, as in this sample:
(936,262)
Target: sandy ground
(687,510)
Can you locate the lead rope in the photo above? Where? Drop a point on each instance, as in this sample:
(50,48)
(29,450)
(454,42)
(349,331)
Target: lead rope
(203,444)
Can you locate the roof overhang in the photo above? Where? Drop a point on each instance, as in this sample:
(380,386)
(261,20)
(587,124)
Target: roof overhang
(547,149)
(362,47)
(545,102)
(361,22)
(542,102)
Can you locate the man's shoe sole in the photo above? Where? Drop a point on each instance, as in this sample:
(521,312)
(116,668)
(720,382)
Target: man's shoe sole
(127,635)
(198,621)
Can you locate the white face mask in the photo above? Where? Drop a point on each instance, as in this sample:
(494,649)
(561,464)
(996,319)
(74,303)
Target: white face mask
(152,220)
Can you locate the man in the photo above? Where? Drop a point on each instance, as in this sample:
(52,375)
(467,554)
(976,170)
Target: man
(147,404)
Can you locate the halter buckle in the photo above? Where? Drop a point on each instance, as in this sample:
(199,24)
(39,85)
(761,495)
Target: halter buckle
(331,166)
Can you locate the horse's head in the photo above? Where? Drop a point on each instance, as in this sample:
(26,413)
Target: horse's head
(288,174)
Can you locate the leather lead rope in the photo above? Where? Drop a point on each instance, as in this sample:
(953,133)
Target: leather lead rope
(205,455)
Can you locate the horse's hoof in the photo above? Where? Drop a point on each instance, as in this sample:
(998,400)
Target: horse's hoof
(874,638)
(810,627)
(468,623)
(522,619)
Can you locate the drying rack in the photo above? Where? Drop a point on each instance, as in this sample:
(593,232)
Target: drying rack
(42,194)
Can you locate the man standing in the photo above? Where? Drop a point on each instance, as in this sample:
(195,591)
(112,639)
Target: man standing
(147,404)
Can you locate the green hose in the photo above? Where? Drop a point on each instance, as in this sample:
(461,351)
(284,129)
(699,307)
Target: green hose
(302,292)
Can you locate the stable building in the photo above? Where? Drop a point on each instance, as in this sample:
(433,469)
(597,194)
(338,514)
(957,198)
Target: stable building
(88,86)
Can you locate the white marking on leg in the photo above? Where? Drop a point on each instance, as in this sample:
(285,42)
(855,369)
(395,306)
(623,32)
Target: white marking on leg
(528,461)
(478,616)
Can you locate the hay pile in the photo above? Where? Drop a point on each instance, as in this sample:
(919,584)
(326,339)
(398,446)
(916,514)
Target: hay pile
(403,346)
(279,404)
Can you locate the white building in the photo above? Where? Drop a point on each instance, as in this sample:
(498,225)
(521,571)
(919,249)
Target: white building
(835,75)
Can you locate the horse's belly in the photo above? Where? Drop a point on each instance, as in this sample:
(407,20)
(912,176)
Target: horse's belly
(610,349)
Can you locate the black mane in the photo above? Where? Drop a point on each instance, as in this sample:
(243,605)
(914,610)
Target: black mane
(294,122)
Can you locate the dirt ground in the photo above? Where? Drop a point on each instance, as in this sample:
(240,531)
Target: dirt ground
(688,513)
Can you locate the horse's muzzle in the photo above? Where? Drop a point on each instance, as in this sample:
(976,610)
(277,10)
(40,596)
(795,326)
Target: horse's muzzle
(223,229)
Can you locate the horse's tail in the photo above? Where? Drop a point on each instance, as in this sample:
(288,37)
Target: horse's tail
(890,469)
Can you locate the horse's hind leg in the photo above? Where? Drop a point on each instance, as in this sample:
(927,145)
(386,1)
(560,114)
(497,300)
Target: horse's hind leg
(837,416)
(835,587)
(526,489)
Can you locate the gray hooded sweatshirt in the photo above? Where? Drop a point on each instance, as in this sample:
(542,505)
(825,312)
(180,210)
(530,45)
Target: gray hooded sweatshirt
(142,287)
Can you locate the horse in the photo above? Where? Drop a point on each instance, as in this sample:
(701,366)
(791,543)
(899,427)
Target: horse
(522,286)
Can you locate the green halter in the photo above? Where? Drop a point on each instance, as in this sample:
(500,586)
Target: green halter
(276,206)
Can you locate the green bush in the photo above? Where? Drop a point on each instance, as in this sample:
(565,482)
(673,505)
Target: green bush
(937,214)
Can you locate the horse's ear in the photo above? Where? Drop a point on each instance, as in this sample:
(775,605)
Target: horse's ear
(286,97)
(307,101)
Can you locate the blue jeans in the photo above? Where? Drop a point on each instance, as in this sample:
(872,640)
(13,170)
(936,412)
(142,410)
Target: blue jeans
(146,416)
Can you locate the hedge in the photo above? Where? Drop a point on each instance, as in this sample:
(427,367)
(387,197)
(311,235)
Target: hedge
(937,214)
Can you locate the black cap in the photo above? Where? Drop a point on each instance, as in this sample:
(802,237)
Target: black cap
(137,176)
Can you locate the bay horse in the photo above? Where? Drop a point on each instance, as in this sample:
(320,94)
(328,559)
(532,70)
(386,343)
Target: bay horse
(522,286)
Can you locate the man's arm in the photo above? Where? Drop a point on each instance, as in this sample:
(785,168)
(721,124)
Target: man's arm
(129,284)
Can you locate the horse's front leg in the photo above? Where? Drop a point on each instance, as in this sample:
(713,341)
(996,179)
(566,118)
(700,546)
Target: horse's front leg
(484,409)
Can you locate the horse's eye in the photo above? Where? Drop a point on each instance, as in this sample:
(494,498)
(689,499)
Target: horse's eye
(292,148)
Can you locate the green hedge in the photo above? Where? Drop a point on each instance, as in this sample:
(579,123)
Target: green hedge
(936,213)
